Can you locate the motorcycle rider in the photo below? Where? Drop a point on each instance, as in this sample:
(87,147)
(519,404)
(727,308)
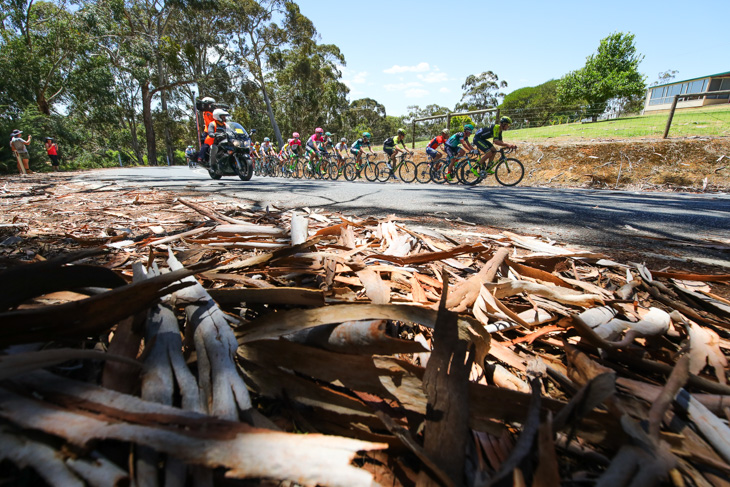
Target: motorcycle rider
(207,119)
(216,131)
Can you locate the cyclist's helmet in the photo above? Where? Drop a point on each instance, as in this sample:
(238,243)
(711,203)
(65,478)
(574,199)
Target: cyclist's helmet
(506,120)
(468,127)
(401,132)
(218,113)
(295,135)
(343,139)
(366,135)
(189,147)
(445,131)
(266,139)
(318,130)
(208,99)
(328,134)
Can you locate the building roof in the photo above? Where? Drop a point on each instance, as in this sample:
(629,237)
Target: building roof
(691,79)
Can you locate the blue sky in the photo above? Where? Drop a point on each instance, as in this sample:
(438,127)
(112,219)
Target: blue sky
(418,53)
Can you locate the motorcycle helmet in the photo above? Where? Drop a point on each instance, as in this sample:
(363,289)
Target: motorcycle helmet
(318,130)
(218,113)
(295,135)
(266,139)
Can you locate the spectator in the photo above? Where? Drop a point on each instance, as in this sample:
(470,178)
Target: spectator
(19,146)
(52,150)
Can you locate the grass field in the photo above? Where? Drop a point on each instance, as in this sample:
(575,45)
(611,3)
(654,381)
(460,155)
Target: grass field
(706,121)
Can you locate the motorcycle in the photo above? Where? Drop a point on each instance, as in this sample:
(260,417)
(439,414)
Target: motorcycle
(233,155)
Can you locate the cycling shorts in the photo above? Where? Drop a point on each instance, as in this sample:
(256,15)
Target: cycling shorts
(431,152)
(354,152)
(389,149)
(451,151)
(483,144)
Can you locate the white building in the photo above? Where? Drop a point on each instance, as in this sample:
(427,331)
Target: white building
(660,97)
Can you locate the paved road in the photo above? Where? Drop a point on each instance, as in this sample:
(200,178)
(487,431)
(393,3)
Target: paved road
(599,219)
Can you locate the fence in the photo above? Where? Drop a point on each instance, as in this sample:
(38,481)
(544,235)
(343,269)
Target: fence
(478,116)
(578,122)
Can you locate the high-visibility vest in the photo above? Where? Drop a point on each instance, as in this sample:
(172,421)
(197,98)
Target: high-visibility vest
(218,125)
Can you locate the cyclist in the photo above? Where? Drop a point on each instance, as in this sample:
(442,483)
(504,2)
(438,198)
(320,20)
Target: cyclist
(328,144)
(267,149)
(390,147)
(453,150)
(191,156)
(341,151)
(256,151)
(315,144)
(295,144)
(357,145)
(436,142)
(495,132)
(284,153)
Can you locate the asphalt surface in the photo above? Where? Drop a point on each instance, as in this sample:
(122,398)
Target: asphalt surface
(676,226)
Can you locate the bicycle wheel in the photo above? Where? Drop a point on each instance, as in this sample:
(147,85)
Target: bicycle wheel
(384,172)
(333,171)
(407,172)
(469,173)
(307,170)
(452,178)
(423,172)
(349,171)
(437,173)
(371,171)
(509,172)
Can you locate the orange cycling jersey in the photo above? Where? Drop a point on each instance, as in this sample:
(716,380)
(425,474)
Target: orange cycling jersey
(437,141)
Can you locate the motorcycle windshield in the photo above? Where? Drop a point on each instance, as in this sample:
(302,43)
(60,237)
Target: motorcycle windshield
(236,131)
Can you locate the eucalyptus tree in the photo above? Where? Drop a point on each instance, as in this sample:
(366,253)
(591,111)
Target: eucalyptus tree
(138,37)
(40,43)
(481,91)
(262,29)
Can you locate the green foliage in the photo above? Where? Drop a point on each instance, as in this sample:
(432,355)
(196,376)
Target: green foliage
(612,72)
(457,123)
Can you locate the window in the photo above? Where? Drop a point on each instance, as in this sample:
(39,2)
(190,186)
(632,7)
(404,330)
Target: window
(698,86)
(719,84)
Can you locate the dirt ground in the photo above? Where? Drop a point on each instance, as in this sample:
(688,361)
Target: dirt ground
(688,164)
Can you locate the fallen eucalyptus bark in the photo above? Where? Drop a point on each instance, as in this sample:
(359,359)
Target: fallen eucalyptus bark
(81,413)
(224,392)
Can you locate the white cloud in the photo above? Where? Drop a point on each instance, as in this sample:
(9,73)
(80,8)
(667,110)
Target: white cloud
(418,68)
(445,90)
(416,93)
(401,86)
(433,77)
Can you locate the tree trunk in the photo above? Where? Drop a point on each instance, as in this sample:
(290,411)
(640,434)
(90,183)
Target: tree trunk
(270,111)
(132,123)
(147,121)
(161,81)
